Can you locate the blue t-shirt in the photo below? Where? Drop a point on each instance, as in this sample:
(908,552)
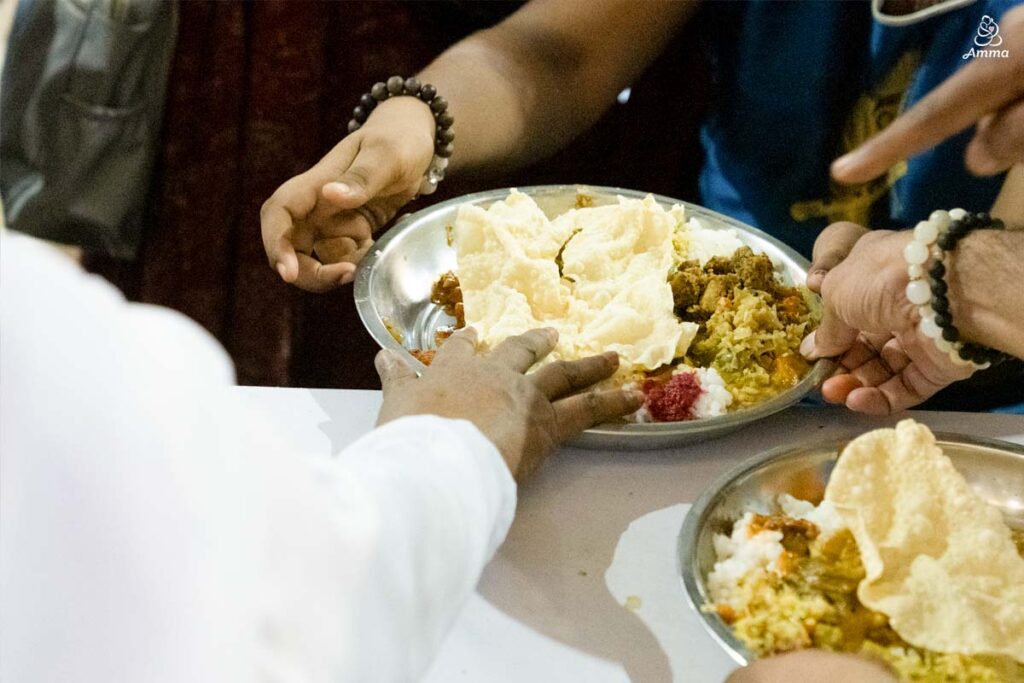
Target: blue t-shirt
(797,84)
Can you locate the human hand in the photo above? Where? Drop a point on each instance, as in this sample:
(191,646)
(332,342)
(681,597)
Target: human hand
(886,364)
(318,225)
(813,666)
(526,417)
(988,92)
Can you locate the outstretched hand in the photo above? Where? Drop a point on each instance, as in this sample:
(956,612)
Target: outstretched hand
(885,364)
(318,225)
(525,416)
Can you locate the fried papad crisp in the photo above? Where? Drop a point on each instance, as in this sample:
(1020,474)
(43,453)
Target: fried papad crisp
(940,562)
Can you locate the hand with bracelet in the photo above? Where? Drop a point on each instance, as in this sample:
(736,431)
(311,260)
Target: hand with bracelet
(318,225)
(888,360)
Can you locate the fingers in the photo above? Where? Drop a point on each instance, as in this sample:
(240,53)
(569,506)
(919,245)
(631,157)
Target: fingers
(314,276)
(524,350)
(832,246)
(393,370)
(836,389)
(276,228)
(998,143)
(373,170)
(583,411)
(460,345)
(832,338)
(904,390)
(981,87)
(562,378)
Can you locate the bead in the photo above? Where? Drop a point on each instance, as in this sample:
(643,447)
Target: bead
(396,84)
(427,92)
(412,86)
(943,345)
(937,270)
(428,186)
(957,360)
(438,105)
(444,150)
(367,102)
(360,114)
(353,126)
(915,272)
(941,219)
(918,292)
(915,253)
(929,328)
(943,320)
(997,224)
(957,214)
(444,120)
(926,232)
(982,218)
(938,286)
(439,163)
(379,92)
(445,135)
(946,241)
(950,334)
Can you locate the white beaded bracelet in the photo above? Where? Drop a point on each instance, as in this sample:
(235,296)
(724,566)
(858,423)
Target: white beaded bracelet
(919,292)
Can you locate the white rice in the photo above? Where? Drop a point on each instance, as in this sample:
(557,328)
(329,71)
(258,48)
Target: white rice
(742,552)
(714,397)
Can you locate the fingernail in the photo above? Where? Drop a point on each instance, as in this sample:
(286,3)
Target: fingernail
(282,271)
(343,188)
(552,332)
(613,358)
(638,398)
(844,163)
(807,346)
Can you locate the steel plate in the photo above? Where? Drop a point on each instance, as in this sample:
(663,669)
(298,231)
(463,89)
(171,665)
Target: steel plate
(392,289)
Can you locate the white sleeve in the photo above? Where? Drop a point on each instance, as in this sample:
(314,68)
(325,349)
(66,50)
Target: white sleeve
(154,527)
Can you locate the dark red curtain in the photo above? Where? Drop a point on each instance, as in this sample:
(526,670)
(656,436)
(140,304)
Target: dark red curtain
(259,91)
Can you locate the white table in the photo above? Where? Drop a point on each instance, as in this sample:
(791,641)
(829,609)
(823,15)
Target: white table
(543,611)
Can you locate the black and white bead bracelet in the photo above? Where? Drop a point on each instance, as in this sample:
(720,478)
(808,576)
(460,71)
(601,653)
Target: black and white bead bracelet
(934,239)
(396,86)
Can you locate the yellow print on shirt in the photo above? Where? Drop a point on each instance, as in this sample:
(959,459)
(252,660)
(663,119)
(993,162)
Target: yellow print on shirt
(872,112)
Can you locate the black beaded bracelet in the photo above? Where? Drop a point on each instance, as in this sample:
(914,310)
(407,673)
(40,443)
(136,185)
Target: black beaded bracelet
(959,227)
(444,137)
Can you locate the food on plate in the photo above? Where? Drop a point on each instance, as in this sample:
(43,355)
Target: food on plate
(702,324)
(902,561)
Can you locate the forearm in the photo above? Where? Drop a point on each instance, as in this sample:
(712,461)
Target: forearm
(528,86)
(986,297)
(432,500)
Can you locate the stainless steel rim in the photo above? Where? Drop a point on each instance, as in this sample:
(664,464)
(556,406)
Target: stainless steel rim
(697,516)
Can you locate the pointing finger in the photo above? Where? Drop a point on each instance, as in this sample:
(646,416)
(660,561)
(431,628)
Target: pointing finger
(981,87)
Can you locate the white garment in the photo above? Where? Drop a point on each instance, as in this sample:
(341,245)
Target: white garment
(152,529)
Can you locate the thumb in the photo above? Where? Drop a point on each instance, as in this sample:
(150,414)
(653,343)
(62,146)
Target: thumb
(832,338)
(832,246)
(393,370)
(368,176)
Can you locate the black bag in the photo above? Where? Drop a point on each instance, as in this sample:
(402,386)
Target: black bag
(80,112)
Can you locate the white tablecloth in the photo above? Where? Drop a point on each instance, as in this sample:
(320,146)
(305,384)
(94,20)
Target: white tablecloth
(545,610)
